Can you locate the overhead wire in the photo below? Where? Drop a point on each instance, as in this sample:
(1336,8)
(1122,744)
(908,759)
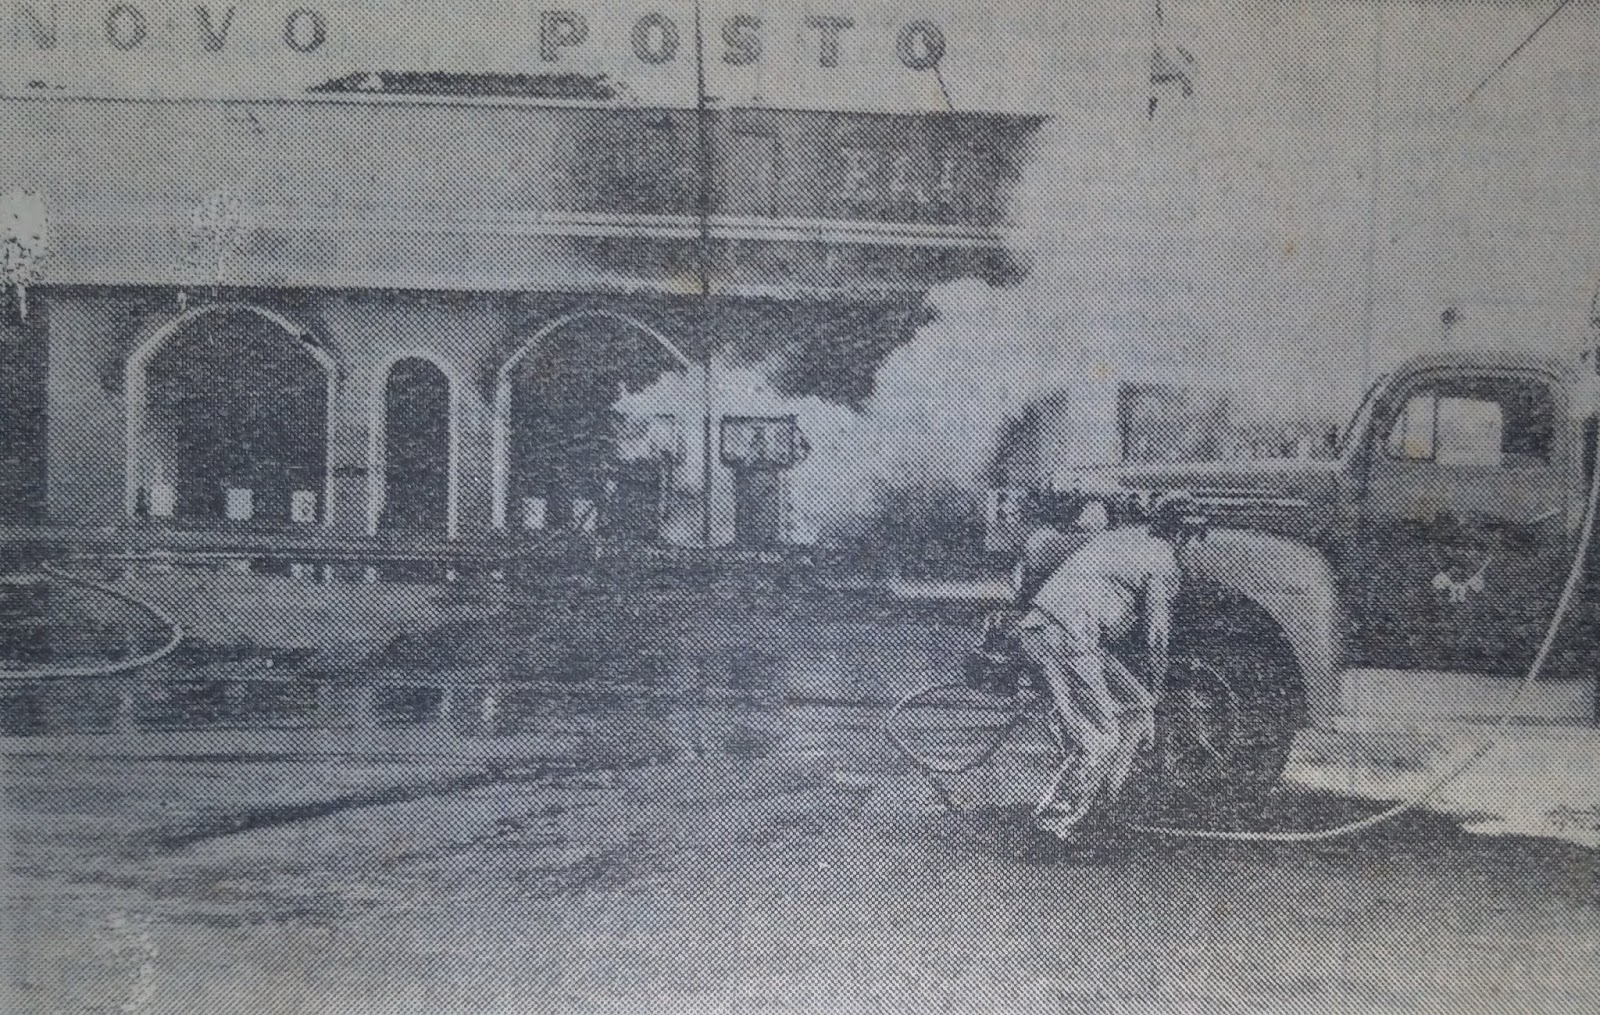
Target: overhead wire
(1503,64)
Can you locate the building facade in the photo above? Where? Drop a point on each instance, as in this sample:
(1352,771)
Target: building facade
(288,272)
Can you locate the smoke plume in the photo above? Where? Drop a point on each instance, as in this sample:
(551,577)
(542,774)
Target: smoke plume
(1275,208)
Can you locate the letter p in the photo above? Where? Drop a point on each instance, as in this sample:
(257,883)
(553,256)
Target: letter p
(560,29)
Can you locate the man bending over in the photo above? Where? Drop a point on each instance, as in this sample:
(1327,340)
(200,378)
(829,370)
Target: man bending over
(1112,583)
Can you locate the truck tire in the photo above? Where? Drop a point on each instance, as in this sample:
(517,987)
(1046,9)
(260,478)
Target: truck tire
(1238,640)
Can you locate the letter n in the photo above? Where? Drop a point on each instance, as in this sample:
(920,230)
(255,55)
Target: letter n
(214,36)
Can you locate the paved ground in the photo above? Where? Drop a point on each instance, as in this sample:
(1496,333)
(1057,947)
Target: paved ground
(809,877)
(707,851)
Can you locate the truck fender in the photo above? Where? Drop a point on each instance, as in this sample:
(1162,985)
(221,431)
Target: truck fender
(1294,584)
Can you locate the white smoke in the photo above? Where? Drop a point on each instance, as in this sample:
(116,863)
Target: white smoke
(1284,232)
(736,390)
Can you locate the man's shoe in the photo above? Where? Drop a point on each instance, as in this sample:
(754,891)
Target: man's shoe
(1060,821)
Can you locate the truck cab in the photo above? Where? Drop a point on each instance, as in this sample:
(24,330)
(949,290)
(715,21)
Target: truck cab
(1463,500)
(1412,576)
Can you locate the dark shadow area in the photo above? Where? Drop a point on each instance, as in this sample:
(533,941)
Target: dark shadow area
(1416,839)
(234,403)
(267,817)
(574,464)
(596,87)
(416,436)
(24,373)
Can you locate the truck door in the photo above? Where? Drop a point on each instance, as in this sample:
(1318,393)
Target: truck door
(1462,542)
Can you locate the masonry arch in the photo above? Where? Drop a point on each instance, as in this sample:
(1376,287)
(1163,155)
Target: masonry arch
(230,408)
(414,445)
(546,394)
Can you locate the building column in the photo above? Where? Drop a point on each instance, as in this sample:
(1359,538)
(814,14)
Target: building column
(347,454)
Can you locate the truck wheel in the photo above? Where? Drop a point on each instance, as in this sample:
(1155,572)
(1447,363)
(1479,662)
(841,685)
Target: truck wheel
(1272,709)
(1238,642)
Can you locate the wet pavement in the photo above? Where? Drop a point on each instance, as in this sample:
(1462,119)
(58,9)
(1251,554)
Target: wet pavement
(665,821)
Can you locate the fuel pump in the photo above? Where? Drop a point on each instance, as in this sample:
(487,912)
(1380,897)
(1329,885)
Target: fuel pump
(761,450)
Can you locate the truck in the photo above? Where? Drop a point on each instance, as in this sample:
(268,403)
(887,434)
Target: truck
(1409,576)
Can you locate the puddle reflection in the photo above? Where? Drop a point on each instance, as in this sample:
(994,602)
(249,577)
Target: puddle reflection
(720,667)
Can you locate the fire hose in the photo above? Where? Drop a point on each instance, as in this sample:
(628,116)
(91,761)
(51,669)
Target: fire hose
(1569,592)
(1535,669)
(114,667)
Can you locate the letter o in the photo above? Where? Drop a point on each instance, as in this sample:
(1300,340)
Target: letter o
(125,27)
(905,44)
(293,25)
(642,31)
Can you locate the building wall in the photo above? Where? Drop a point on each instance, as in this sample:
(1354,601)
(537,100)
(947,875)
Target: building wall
(94,332)
(371,332)
(489,199)
(98,336)
(24,363)
(91,335)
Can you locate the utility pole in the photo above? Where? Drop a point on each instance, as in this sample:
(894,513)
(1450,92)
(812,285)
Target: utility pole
(703,258)
(1369,308)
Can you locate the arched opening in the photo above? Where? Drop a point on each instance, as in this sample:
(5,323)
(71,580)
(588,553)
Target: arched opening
(416,456)
(573,454)
(24,401)
(228,421)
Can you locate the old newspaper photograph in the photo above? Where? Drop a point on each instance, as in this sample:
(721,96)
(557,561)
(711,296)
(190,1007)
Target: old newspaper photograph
(799,506)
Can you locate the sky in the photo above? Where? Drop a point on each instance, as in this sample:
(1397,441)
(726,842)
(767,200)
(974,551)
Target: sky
(1338,175)
(1303,218)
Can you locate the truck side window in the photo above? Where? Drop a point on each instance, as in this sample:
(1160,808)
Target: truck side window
(1412,436)
(1493,423)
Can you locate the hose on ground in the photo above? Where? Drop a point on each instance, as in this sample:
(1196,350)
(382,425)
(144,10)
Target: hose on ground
(1569,593)
(110,668)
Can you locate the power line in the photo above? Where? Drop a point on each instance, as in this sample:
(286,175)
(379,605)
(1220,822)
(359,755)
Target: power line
(1560,6)
(703,261)
(938,75)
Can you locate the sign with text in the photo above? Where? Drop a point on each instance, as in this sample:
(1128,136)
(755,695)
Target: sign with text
(762,442)
(850,55)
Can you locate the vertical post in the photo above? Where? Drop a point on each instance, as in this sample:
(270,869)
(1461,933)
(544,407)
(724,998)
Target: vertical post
(703,257)
(705,455)
(1369,308)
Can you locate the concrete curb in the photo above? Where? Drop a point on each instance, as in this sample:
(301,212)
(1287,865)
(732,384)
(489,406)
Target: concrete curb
(1542,781)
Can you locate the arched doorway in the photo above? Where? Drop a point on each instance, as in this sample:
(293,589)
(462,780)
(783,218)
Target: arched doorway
(564,458)
(414,453)
(24,402)
(228,421)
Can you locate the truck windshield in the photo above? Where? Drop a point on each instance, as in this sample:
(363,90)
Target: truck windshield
(1362,411)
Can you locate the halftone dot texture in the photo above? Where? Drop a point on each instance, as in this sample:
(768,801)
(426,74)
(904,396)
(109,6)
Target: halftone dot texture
(371,342)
